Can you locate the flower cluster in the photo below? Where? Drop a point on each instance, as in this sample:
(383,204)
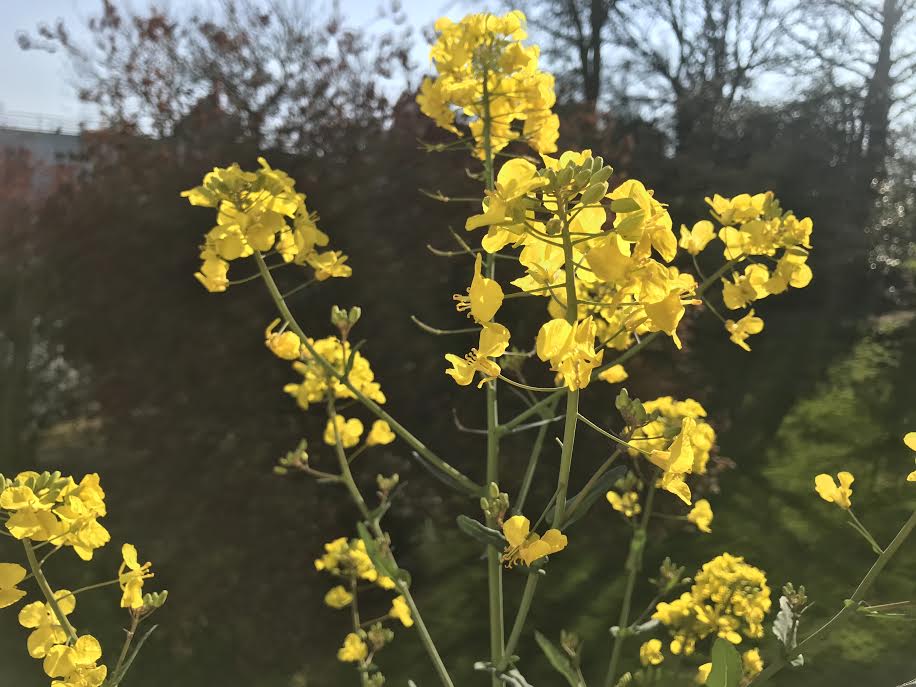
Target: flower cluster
(49,507)
(57,511)
(729,598)
(756,226)
(486,72)
(258,212)
(317,381)
(349,561)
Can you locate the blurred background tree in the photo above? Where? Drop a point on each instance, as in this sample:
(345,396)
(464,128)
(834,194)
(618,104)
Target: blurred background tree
(114,359)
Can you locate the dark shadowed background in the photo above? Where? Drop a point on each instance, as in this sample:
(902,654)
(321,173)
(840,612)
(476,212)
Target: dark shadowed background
(113,359)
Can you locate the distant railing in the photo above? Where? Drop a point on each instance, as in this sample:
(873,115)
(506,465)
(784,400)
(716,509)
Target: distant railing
(45,123)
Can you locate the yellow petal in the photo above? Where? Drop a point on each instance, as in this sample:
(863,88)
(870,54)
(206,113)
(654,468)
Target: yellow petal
(516,530)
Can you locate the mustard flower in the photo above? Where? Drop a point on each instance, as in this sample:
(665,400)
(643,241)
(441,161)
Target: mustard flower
(11,574)
(316,383)
(349,431)
(354,649)
(77,662)
(338,597)
(696,239)
(527,546)
(570,348)
(701,515)
(401,611)
(752,662)
(41,619)
(485,296)
(703,672)
(628,504)
(613,375)
(494,340)
(677,461)
(669,415)
(380,434)
(131,575)
(830,491)
(650,653)
(285,345)
(740,331)
(910,441)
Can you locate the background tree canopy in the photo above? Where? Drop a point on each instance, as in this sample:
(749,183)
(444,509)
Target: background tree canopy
(113,359)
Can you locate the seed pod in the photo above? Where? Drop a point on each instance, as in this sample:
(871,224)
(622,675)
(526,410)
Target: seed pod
(594,193)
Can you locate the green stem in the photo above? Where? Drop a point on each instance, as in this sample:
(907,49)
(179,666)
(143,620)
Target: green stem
(357,625)
(533,460)
(521,616)
(849,607)
(134,623)
(861,529)
(467,484)
(46,590)
(633,565)
(605,466)
(494,565)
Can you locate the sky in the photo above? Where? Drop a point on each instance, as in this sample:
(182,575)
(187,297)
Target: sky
(37,89)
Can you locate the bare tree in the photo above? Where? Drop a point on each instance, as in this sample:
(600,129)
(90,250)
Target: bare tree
(871,46)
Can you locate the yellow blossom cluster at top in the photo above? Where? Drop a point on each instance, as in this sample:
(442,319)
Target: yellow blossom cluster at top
(49,507)
(486,72)
(729,598)
(348,559)
(259,211)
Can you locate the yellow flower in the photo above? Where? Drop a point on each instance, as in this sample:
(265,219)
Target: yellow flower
(354,649)
(677,461)
(752,662)
(696,239)
(40,618)
(739,331)
(316,383)
(130,577)
(703,673)
(570,348)
(833,493)
(628,504)
(11,574)
(380,434)
(285,345)
(63,661)
(910,441)
(701,515)
(650,653)
(494,340)
(338,597)
(613,375)
(349,431)
(401,611)
(525,545)
(484,298)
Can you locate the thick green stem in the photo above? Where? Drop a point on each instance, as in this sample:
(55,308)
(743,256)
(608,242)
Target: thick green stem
(850,607)
(42,581)
(494,565)
(633,565)
(467,484)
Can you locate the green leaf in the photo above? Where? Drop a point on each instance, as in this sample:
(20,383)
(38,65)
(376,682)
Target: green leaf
(621,205)
(558,660)
(372,550)
(443,477)
(727,670)
(481,533)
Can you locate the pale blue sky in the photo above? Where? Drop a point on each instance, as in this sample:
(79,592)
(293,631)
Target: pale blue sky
(41,83)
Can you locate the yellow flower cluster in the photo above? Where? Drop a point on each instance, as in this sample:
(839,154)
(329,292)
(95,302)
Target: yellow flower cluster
(628,504)
(729,598)
(76,665)
(755,226)
(349,560)
(678,440)
(486,72)
(49,507)
(317,382)
(621,288)
(259,211)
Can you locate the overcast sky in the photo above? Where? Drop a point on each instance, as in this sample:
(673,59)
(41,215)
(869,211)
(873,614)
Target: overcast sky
(39,83)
